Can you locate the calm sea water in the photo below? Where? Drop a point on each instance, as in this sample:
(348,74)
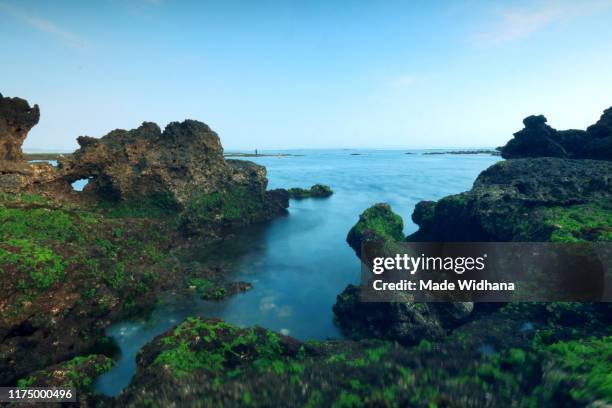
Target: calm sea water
(298,264)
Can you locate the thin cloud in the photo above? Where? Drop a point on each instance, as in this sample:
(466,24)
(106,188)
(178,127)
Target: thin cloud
(406,80)
(66,37)
(515,23)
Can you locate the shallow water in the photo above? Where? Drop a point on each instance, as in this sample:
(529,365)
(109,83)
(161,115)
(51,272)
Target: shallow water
(299,263)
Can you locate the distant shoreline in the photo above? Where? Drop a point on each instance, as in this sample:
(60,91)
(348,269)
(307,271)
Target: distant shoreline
(56,156)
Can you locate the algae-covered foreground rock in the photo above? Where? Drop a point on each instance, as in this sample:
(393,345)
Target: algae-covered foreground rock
(539,199)
(206,362)
(376,224)
(78,373)
(538,139)
(316,191)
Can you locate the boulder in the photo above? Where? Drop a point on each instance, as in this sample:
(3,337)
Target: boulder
(376,224)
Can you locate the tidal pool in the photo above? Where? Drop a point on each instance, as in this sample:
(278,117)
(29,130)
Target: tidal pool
(299,263)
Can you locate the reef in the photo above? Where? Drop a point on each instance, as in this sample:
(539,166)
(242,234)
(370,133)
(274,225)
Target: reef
(316,191)
(498,360)
(73,262)
(538,139)
(564,198)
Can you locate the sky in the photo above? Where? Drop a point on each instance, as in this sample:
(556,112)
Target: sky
(308,74)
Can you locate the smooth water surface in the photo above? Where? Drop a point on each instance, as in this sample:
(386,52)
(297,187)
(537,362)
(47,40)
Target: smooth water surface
(298,264)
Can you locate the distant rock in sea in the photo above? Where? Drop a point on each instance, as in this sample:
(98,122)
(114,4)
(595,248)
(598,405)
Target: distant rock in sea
(316,191)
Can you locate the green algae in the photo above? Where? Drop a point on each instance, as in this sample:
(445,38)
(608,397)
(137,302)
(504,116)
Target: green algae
(79,372)
(218,207)
(217,347)
(584,366)
(580,223)
(316,191)
(380,221)
(208,289)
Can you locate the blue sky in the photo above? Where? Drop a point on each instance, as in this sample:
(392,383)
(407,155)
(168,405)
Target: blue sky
(308,74)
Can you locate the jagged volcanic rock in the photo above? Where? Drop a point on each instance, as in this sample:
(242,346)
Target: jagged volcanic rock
(538,139)
(16,120)
(179,169)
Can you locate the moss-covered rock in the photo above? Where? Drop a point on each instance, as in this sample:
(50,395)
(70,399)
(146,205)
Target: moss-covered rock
(78,372)
(376,224)
(316,191)
(494,361)
(542,199)
(406,322)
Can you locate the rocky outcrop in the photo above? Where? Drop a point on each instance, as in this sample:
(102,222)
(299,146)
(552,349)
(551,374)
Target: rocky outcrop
(406,322)
(523,200)
(181,168)
(376,224)
(539,199)
(538,139)
(16,120)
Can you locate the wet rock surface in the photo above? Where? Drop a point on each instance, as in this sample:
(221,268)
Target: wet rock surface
(538,139)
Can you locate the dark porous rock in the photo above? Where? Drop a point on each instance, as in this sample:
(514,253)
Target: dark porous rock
(135,164)
(376,224)
(538,139)
(522,200)
(405,322)
(316,191)
(180,169)
(16,120)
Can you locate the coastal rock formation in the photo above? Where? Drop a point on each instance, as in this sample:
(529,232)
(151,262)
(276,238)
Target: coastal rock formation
(179,169)
(16,120)
(524,200)
(73,262)
(538,139)
(376,224)
(406,322)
